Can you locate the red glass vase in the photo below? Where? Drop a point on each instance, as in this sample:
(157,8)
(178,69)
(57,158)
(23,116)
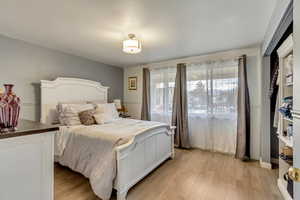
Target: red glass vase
(9,109)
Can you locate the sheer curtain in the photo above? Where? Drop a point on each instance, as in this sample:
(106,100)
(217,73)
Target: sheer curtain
(162,83)
(212,102)
(212,105)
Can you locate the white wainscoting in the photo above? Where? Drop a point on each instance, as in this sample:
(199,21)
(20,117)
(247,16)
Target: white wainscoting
(134,109)
(30,111)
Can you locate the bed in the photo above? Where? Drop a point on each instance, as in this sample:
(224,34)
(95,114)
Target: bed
(136,157)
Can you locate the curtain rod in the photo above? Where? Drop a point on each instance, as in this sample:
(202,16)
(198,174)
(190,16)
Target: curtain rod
(230,54)
(187,61)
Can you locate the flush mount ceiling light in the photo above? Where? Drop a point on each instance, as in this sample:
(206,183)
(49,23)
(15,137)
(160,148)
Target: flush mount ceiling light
(132,45)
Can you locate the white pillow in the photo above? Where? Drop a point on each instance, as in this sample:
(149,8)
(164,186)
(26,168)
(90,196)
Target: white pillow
(102,118)
(68,113)
(106,113)
(109,109)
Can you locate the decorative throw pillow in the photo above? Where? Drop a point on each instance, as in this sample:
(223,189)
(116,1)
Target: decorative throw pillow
(103,118)
(68,113)
(87,117)
(106,113)
(109,109)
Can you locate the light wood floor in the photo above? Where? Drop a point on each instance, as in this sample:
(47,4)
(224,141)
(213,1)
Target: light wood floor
(192,175)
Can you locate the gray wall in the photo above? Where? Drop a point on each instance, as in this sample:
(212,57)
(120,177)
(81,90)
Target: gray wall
(24,65)
(265,112)
(254,83)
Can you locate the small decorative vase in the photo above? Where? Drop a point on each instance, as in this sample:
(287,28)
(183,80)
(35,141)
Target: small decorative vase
(9,109)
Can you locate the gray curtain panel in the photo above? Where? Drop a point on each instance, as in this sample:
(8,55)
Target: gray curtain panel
(146,115)
(180,108)
(243,121)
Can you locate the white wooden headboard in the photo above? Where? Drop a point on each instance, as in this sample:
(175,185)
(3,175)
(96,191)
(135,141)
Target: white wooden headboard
(68,90)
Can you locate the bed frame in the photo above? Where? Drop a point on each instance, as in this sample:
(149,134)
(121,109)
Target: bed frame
(135,159)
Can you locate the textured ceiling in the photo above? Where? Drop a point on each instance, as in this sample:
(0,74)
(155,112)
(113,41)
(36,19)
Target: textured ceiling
(168,28)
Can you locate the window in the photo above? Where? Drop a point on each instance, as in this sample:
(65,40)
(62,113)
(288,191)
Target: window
(212,102)
(162,83)
(212,105)
(212,89)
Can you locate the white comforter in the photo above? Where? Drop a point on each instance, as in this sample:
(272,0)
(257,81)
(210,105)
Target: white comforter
(90,149)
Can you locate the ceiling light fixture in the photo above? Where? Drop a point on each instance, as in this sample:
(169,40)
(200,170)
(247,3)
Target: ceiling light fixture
(132,45)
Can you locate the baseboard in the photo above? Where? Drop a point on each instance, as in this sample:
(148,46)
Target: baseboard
(265,164)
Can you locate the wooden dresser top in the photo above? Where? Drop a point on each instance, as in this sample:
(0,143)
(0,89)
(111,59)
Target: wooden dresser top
(27,127)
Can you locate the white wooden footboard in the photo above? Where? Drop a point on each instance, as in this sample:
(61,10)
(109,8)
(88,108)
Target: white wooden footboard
(140,156)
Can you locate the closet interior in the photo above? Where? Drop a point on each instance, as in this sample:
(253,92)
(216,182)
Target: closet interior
(281,111)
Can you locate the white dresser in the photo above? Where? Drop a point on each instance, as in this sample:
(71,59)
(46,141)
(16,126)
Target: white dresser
(26,162)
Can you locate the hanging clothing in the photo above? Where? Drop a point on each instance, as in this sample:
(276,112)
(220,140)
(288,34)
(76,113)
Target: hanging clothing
(276,116)
(274,79)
